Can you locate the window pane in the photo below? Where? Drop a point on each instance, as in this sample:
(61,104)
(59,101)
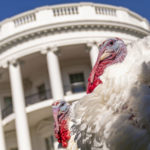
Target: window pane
(78,77)
(42,92)
(14,149)
(77,82)
(49,142)
(7,100)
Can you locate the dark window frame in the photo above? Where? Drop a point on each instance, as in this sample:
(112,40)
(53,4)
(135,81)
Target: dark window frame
(77,82)
(49,142)
(42,91)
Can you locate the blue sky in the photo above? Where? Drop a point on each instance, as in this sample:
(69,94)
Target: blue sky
(10,8)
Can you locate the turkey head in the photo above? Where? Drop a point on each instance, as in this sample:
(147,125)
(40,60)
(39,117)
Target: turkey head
(110,51)
(61,115)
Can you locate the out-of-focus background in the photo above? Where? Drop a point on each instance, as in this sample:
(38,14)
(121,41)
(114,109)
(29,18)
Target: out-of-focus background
(9,8)
(47,50)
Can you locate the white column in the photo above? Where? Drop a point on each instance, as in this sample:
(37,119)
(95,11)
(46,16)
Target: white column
(55,74)
(22,129)
(93,52)
(2,136)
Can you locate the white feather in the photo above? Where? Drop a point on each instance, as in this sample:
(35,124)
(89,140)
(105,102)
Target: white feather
(116,116)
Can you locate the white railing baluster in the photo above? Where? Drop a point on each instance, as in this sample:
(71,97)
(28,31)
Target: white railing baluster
(24,19)
(105,11)
(65,11)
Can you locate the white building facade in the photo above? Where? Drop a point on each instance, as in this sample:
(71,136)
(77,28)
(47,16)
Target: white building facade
(46,54)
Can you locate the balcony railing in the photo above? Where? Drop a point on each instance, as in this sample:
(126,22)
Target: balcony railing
(36,97)
(65,11)
(105,11)
(29,100)
(69,12)
(134,16)
(77,87)
(25,19)
(7,110)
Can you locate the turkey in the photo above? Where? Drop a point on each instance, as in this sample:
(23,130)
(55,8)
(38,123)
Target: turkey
(115,113)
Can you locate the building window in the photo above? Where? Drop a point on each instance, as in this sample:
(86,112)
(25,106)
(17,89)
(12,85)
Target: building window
(49,143)
(7,109)
(7,101)
(77,82)
(14,149)
(42,92)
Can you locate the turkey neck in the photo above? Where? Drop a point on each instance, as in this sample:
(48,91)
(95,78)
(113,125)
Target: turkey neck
(100,70)
(63,133)
(94,78)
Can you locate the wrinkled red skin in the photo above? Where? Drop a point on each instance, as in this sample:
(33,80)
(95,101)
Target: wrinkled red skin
(91,87)
(98,72)
(63,135)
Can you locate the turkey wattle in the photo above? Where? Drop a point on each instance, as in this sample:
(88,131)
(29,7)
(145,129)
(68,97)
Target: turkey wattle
(110,52)
(114,115)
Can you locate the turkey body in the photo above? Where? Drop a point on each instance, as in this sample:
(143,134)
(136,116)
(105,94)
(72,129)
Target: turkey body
(116,115)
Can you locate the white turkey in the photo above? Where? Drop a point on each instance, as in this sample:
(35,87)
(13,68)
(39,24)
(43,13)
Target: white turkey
(115,113)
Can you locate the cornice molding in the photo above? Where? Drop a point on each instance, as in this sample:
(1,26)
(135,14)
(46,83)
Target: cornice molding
(70,27)
(52,7)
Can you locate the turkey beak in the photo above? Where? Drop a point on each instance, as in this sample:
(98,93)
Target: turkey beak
(104,55)
(55,116)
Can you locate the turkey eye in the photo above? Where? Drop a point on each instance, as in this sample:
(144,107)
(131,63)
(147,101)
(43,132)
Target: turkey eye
(111,43)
